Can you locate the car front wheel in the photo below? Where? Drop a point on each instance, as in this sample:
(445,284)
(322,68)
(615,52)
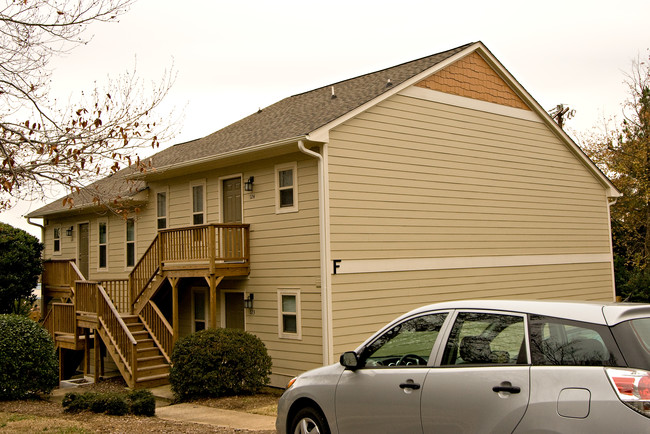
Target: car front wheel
(309,421)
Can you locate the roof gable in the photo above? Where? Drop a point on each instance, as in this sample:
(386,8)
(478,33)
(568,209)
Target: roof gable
(469,70)
(472,77)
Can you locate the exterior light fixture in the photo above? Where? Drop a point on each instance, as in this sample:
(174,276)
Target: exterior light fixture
(248,185)
(248,302)
(68,231)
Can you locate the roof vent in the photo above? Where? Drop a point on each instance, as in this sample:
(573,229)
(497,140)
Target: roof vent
(259,110)
(389,83)
(333,93)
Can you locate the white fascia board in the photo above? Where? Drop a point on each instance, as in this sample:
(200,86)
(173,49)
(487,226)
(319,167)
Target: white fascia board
(223,156)
(322,133)
(324,130)
(612,191)
(470,103)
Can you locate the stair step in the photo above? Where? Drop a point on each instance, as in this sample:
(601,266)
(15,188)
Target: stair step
(152,381)
(148,371)
(148,352)
(151,360)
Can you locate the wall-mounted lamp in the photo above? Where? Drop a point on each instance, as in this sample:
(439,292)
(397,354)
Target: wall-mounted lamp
(68,231)
(248,302)
(248,185)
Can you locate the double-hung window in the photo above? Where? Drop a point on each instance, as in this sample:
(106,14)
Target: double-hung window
(103,244)
(289,314)
(57,240)
(286,188)
(130,242)
(161,209)
(198,204)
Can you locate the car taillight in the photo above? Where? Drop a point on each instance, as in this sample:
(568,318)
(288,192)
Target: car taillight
(632,387)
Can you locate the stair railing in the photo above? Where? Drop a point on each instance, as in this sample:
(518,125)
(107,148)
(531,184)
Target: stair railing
(158,328)
(91,295)
(145,270)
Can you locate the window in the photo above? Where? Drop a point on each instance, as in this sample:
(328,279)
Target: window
(130,242)
(161,209)
(289,314)
(406,344)
(286,188)
(198,206)
(103,237)
(57,240)
(485,338)
(570,343)
(198,300)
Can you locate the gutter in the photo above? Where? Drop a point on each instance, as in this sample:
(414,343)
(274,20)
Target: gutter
(212,158)
(323,220)
(29,220)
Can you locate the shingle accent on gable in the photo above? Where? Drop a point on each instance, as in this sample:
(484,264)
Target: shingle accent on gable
(472,77)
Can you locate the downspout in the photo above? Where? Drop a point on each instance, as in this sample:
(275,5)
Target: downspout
(326,300)
(610,203)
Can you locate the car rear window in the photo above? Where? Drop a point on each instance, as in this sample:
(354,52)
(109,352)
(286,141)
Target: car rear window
(633,338)
(555,341)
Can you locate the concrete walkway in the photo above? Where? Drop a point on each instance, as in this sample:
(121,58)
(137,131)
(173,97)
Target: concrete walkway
(216,417)
(208,415)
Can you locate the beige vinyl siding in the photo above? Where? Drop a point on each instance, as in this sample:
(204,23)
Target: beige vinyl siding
(364,302)
(285,255)
(413,178)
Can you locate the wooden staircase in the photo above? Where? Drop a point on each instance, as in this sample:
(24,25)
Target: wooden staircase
(152,367)
(122,313)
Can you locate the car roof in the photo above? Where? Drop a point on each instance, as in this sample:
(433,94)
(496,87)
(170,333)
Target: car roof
(587,311)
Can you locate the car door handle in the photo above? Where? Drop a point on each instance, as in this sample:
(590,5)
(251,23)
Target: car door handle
(504,388)
(413,386)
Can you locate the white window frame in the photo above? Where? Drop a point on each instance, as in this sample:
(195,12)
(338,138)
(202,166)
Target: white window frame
(201,183)
(56,229)
(279,168)
(164,191)
(100,245)
(127,242)
(281,333)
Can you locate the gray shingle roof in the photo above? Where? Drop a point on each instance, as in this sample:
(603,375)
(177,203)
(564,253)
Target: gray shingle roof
(294,116)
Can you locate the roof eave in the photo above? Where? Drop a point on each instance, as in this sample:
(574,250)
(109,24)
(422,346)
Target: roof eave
(163,170)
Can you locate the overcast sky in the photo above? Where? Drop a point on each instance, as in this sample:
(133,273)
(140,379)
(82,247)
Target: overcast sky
(233,57)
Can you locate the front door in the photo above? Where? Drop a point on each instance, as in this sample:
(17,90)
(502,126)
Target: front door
(83,249)
(232,213)
(234,310)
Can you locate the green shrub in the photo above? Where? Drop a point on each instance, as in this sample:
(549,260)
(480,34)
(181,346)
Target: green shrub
(74,402)
(28,363)
(115,405)
(219,362)
(142,403)
(138,402)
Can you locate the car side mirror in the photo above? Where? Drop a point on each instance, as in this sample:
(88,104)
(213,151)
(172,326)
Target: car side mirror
(350,360)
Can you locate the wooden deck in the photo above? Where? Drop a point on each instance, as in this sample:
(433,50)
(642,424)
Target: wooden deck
(121,312)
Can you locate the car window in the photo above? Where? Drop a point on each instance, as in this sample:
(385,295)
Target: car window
(569,343)
(406,344)
(485,338)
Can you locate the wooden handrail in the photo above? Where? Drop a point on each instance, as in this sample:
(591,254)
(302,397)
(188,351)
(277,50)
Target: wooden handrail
(211,243)
(159,328)
(118,292)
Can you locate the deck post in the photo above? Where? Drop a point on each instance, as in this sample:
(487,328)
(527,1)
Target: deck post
(174,283)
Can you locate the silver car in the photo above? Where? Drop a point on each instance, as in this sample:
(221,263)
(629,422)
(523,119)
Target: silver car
(486,366)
